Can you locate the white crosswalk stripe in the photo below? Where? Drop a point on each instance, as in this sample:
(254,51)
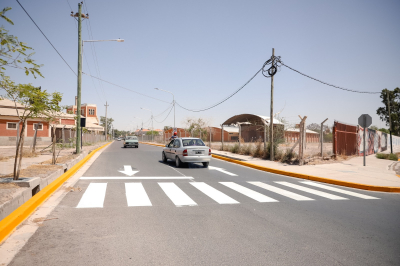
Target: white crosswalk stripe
(248,192)
(312,191)
(280,191)
(136,195)
(216,195)
(351,193)
(93,196)
(178,197)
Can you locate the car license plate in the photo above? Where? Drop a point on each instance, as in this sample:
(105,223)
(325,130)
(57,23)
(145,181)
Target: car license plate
(199,152)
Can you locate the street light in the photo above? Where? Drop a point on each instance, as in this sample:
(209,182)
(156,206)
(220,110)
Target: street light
(141,131)
(78,104)
(173,101)
(152,128)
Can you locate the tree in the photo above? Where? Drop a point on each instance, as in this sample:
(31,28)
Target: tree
(374,127)
(152,132)
(384,130)
(166,128)
(196,127)
(30,102)
(383,112)
(103,122)
(14,53)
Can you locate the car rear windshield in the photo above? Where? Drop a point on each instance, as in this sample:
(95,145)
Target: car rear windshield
(131,138)
(193,142)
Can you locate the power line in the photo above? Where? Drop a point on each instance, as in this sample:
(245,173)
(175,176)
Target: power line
(126,88)
(166,116)
(46,38)
(341,88)
(162,112)
(214,105)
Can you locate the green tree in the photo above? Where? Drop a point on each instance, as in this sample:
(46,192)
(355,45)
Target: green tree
(384,130)
(14,53)
(374,127)
(197,127)
(109,122)
(156,133)
(383,112)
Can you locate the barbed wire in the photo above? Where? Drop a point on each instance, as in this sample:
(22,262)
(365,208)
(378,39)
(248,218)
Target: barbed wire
(227,98)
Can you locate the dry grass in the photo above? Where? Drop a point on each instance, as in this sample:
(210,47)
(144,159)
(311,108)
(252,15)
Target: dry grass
(62,159)
(8,185)
(36,170)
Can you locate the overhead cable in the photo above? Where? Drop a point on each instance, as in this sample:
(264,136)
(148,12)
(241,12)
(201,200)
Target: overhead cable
(126,88)
(162,112)
(172,107)
(47,38)
(214,105)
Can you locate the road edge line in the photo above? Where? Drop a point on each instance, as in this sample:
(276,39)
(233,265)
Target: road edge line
(14,219)
(304,176)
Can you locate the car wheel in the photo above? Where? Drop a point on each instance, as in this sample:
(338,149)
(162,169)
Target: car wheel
(124,146)
(205,164)
(178,162)
(164,158)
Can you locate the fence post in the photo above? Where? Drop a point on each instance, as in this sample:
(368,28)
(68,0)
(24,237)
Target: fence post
(322,137)
(209,129)
(222,138)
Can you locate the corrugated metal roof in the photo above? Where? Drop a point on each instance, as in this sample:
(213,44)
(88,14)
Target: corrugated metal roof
(253,119)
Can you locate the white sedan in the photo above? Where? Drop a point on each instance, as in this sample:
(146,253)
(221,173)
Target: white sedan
(187,150)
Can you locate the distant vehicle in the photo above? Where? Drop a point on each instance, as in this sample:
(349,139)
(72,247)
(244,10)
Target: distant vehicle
(131,141)
(119,139)
(187,150)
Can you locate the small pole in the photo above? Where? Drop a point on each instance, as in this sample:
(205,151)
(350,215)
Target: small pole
(240,134)
(209,129)
(271,119)
(322,136)
(106,129)
(222,137)
(365,121)
(34,139)
(390,122)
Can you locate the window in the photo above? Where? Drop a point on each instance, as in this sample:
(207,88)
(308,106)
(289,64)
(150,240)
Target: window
(177,144)
(171,144)
(11,125)
(91,111)
(193,142)
(40,126)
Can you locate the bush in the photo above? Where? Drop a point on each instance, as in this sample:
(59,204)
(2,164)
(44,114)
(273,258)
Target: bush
(247,149)
(393,157)
(259,150)
(235,148)
(288,156)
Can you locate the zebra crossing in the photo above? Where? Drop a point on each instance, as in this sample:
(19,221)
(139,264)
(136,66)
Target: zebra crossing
(136,195)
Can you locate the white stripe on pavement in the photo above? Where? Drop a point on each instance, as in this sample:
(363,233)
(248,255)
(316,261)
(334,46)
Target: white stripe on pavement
(248,192)
(280,191)
(178,197)
(93,196)
(136,195)
(216,195)
(354,194)
(312,191)
(134,177)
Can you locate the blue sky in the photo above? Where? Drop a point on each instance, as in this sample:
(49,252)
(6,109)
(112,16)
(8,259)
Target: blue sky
(202,51)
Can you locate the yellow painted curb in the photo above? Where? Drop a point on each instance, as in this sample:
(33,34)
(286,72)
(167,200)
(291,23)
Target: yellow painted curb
(8,224)
(304,176)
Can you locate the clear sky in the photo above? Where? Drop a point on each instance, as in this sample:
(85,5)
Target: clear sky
(204,50)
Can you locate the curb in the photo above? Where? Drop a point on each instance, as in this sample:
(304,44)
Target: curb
(8,224)
(304,176)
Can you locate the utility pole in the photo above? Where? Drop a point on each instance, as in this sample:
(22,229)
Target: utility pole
(322,136)
(390,123)
(271,119)
(106,129)
(78,105)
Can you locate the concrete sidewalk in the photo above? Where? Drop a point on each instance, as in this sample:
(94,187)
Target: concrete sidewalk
(377,172)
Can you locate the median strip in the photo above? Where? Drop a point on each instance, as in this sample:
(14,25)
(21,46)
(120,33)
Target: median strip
(304,176)
(8,224)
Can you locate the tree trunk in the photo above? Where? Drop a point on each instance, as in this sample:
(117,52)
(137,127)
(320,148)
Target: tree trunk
(53,161)
(15,177)
(21,150)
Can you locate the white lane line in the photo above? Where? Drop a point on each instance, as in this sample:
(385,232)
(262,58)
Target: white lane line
(221,170)
(178,197)
(93,196)
(280,191)
(248,192)
(312,191)
(354,194)
(216,195)
(136,195)
(134,177)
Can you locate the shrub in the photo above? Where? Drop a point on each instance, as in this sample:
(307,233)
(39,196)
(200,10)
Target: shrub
(259,150)
(247,149)
(235,148)
(288,156)
(393,157)
(382,156)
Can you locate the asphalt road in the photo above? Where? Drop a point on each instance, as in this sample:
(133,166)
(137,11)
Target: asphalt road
(201,221)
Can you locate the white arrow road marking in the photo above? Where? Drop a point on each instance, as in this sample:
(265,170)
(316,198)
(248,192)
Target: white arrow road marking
(221,170)
(128,170)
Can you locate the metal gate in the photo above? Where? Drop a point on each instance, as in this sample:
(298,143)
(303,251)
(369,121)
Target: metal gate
(344,139)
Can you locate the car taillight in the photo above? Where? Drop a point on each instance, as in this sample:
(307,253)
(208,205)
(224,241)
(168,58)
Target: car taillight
(209,151)
(185,153)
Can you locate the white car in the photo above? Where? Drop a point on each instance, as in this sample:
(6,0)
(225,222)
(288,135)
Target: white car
(187,150)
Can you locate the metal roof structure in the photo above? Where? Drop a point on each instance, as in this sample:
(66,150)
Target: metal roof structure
(250,118)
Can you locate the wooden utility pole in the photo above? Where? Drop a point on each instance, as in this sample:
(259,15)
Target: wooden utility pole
(301,140)
(322,136)
(209,128)
(390,122)
(271,118)
(78,105)
(106,129)
(222,137)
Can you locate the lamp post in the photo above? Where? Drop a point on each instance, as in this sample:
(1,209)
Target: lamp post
(78,104)
(173,101)
(141,131)
(152,128)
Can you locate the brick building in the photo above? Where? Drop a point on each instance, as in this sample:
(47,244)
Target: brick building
(90,112)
